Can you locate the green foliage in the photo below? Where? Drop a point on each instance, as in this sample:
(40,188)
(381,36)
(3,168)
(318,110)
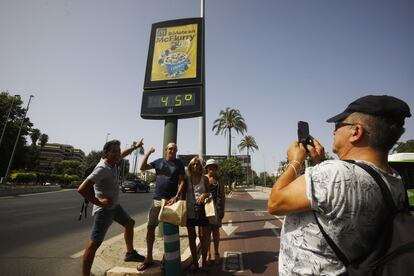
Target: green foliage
(404,147)
(248,143)
(11,116)
(64,179)
(34,136)
(23,177)
(44,138)
(231,170)
(69,167)
(229,119)
(12,106)
(93,158)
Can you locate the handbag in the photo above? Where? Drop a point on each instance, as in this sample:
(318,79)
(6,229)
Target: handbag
(175,213)
(210,209)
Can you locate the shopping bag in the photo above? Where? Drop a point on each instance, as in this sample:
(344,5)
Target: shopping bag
(175,214)
(211,211)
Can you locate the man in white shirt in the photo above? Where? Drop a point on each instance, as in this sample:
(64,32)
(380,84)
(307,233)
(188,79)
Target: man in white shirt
(345,198)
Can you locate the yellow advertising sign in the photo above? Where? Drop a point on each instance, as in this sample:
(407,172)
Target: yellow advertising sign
(175,53)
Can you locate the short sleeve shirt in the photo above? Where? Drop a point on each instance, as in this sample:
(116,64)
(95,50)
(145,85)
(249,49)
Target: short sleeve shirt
(106,184)
(349,206)
(167,175)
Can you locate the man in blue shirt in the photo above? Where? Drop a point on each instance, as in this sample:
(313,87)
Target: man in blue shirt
(169,185)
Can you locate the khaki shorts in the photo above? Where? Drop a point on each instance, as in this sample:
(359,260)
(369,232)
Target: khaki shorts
(153,213)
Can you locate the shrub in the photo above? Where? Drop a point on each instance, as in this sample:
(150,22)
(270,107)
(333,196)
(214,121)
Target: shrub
(23,177)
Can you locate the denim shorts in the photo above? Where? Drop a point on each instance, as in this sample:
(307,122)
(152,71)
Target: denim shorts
(104,219)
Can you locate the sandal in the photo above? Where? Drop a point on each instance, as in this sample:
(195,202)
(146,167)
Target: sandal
(144,266)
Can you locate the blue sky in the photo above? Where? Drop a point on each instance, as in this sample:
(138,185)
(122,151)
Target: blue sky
(276,61)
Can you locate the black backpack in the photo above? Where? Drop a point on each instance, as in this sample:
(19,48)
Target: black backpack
(393,253)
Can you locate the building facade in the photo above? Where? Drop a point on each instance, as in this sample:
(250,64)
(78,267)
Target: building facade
(54,153)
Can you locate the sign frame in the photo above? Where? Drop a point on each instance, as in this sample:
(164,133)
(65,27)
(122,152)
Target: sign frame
(182,111)
(179,82)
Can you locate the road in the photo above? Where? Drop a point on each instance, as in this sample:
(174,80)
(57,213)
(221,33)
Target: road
(40,232)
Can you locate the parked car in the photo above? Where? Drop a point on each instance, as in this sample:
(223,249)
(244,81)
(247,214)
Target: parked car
(135,186)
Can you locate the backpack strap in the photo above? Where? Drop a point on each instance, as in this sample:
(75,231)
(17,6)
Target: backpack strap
(331,243)
(386,194)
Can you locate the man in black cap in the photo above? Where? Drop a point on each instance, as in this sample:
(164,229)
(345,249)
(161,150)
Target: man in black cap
(345,198)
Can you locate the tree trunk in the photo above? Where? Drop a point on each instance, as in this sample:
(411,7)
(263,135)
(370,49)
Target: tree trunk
(229,145)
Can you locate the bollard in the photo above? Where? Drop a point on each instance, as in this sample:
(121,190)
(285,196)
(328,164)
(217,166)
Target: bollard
(172,263)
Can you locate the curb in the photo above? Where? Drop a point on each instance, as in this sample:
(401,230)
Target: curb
(29,190)
(101,267)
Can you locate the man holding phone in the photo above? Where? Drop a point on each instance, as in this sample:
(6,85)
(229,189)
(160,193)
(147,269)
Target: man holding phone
(345,198)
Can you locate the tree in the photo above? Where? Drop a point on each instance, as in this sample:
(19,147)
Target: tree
(93,158)
(227,120)
(69,167)
(44,138)
(34,136)
(230,170)
(404,147)
(14,121)
(248,143)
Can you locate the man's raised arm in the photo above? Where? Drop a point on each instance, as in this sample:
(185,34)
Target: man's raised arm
(144,165)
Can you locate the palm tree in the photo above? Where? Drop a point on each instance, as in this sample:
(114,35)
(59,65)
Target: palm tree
(44,138)
(248,143)
(228,119)
(34,136)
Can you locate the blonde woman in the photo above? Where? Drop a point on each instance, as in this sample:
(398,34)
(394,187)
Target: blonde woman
(197,192)
(217,192)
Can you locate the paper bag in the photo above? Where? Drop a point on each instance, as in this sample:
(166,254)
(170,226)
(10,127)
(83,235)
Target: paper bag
(175,214)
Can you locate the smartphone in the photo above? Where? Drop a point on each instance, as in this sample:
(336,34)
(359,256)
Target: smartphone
(303,133)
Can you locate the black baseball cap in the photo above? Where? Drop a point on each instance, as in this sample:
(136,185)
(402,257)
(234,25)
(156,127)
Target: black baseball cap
(383,106)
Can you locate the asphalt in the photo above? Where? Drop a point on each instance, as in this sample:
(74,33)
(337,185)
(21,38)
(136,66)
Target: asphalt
(109,257)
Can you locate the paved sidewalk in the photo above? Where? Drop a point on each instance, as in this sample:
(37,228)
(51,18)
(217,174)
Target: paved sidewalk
(109,257)
(239,237)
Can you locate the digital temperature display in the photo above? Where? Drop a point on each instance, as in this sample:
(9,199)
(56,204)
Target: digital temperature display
(171,100)
(184,102)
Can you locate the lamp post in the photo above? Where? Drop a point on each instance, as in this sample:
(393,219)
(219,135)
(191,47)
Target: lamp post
(107,134)
(7,119)
(17,140)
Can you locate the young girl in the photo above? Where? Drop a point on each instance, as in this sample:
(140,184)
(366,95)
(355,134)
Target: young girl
(197,191)
(217,191)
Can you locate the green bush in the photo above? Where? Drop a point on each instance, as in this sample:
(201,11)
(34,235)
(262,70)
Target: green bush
(23,177)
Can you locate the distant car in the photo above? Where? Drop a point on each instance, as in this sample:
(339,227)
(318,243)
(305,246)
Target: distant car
(135,186)
(152,185)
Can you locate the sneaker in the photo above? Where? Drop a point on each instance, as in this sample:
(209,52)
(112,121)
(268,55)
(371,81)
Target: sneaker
(133,257)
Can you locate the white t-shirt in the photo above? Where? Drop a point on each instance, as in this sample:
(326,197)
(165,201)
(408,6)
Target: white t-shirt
(106,184)
(349,206)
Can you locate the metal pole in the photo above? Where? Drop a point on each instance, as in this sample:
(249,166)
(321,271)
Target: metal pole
(17,140)
(203,117)
(171,231)
(123,167)
(107,134)
(7,119)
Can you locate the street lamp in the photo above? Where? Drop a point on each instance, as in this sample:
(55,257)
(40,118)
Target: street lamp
(17,140)
(107,134)
(7,119)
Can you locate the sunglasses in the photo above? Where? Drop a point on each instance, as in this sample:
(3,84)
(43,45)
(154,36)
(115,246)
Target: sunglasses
(342,124)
